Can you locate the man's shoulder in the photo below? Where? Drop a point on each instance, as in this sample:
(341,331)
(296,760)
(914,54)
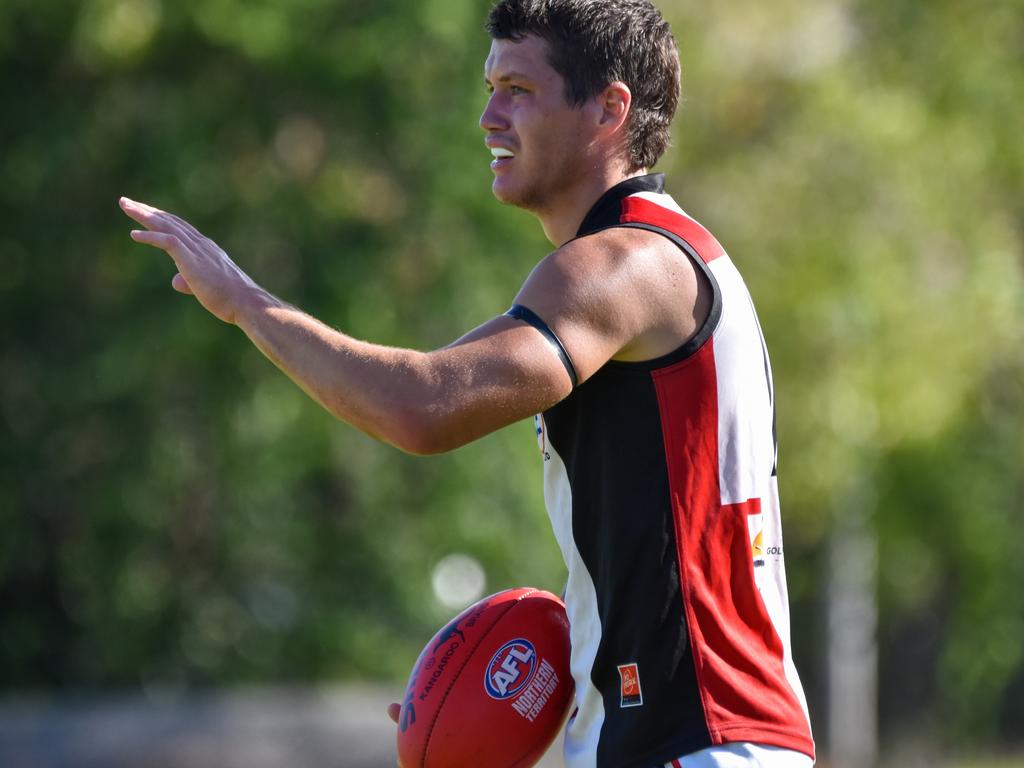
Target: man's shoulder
(610,248)
(621,293)
(611,268)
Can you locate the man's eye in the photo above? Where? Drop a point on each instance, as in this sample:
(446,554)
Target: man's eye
(515,90)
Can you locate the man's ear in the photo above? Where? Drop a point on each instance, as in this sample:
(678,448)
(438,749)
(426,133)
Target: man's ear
(614,102)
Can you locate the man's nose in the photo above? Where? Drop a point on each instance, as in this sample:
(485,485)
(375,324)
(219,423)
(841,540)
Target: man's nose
(493,117)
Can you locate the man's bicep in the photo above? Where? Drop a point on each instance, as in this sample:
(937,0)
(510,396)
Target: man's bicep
(501,372)
(510,352)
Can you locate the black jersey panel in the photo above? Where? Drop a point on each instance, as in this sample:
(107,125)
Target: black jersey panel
(624,531)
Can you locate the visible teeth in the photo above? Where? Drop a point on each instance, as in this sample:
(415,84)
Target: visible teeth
(501,152)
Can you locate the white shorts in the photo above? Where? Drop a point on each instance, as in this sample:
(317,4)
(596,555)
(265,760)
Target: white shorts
(743,755)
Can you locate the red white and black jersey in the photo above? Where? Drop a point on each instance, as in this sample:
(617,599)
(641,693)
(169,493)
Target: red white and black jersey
(661,487)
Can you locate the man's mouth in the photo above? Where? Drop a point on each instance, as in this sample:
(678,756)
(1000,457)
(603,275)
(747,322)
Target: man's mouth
(501,157)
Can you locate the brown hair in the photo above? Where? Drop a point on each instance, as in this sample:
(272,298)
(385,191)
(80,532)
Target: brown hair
(593,43)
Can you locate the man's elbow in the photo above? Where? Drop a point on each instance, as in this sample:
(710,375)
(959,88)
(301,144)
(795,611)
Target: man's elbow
(421,432)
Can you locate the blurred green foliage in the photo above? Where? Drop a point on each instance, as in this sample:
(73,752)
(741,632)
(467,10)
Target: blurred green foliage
(175,510)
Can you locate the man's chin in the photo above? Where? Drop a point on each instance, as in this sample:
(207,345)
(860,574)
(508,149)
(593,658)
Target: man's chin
(507,194)
(501,191)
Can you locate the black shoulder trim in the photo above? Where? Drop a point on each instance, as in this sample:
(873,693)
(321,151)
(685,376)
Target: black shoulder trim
(527,315)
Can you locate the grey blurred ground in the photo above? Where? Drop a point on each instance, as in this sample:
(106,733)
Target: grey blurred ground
(253,728)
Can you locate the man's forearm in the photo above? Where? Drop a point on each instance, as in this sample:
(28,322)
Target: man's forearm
(383,391)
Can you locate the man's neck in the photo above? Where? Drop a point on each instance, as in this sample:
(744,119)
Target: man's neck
(562,221)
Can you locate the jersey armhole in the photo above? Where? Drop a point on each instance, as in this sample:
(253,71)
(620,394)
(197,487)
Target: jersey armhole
(690,347)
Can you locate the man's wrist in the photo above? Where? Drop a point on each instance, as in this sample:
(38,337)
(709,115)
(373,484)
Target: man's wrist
(254,305)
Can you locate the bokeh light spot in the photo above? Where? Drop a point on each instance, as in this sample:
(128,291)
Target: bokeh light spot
(458,580)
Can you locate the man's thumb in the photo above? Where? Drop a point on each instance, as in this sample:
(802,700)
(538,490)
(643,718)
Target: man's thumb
(179,284)
(394,710)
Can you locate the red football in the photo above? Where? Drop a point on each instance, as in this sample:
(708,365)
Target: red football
(492,688)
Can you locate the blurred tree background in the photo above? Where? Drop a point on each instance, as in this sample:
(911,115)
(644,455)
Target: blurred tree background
(175,511)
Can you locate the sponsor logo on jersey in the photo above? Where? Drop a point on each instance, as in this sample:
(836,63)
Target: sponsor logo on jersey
(511,669)
(630,693)
(758,549)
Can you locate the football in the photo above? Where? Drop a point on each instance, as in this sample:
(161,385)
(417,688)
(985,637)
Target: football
(491,688)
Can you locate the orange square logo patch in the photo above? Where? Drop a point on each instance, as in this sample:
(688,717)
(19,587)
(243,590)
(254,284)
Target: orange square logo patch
(630,693)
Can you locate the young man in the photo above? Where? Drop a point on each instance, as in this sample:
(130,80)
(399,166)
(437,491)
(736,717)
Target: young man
(637,341)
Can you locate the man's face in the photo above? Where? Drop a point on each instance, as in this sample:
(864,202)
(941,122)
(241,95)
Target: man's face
(538,139)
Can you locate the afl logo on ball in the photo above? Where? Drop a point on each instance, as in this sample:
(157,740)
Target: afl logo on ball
(511,669)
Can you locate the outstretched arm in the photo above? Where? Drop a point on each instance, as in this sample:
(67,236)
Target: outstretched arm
(618,294)
(421,402)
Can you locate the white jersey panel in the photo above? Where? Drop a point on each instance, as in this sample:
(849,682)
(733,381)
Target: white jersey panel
(584,729)
(770,577)
(746,444)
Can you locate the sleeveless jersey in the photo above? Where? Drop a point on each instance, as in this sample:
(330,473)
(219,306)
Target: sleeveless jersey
(660,484)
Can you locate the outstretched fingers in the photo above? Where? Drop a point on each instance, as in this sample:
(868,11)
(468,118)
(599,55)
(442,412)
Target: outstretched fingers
(204,270)
(146,215)
(195,233)
(156,219)
(168,242)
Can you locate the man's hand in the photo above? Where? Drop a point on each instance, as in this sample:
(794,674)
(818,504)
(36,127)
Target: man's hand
(394,711)
(204,269)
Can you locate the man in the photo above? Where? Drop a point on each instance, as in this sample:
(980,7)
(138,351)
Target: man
(637,341)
